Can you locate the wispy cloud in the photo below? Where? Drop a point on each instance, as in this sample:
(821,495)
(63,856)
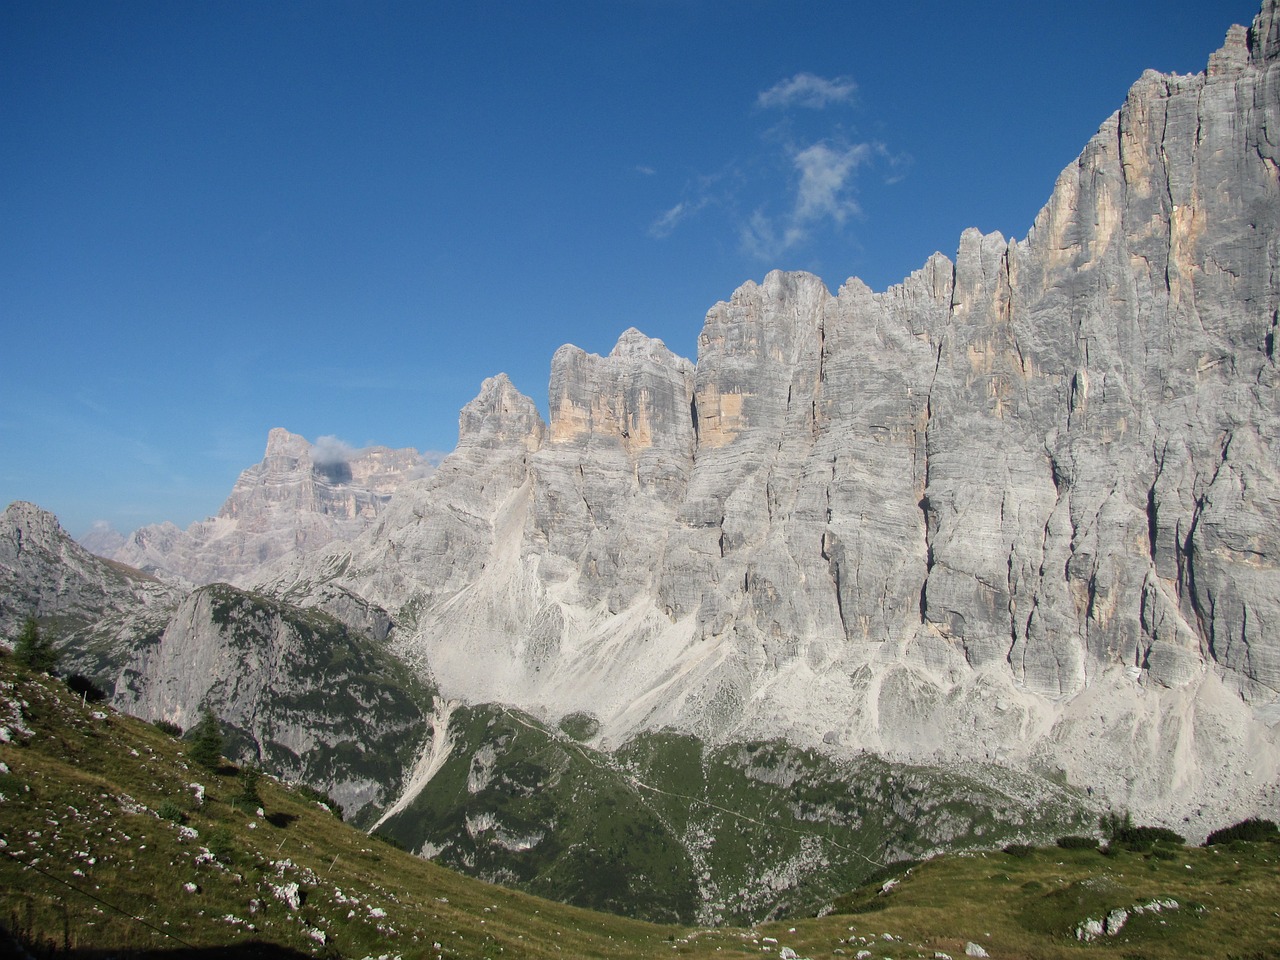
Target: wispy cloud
(807,90)
(800,185)
(706,191)
(663,226)
(824,176)
(822,193)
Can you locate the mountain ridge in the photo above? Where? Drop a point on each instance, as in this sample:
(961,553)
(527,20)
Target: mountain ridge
(298,498)
(1037,478)
(1021,510)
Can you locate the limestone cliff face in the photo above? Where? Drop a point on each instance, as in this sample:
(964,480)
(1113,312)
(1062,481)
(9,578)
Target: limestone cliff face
(298,498)
(1021,506)
(295,690)
(97,611)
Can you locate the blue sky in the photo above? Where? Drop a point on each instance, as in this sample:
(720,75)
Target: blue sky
(216,218)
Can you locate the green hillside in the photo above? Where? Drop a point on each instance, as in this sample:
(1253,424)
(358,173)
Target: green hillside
(671,830)
(116,843)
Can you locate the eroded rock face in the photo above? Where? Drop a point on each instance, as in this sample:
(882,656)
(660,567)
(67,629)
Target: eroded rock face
(294,689)
(1022,506)
(96,610)
(300,497)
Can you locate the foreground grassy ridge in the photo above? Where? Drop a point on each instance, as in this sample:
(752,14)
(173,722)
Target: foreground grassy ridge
(88,863)
(1031,906)
(82,839)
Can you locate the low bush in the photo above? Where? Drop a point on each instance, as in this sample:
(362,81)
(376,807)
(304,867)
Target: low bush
(1019,850)
(1251,829)
(1121,831)
(388,840)
(317,796)
(172,729)
(1078,843)
(171,811)
(218,841)
(1144,837)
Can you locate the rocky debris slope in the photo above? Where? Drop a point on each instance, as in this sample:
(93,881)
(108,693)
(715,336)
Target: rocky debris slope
(1022,506)
(300,497)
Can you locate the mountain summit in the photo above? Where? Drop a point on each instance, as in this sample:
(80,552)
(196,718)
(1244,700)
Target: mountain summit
(1024,506)
(298,498)
(981,555)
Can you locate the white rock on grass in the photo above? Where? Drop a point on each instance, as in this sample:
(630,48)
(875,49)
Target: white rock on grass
(288,893)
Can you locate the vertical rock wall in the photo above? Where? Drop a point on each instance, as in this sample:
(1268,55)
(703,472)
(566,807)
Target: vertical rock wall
(1022,506)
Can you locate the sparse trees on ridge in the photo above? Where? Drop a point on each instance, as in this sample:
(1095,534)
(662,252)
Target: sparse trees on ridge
(33,650)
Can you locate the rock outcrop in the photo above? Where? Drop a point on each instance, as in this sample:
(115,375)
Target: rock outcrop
(300,497)
(97,610)
(1022,506)
(295,690)
(312,694)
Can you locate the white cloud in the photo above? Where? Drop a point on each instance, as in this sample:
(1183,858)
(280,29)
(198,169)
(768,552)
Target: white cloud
(822,194)
(807,90)
(824,174)
(800,186)
(329,451)
(663,226)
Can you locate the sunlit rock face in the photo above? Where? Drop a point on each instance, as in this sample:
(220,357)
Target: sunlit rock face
(78,598)
(300,497)
(1023,506)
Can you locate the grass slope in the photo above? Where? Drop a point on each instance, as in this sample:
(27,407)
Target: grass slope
(88,863)
(89,867)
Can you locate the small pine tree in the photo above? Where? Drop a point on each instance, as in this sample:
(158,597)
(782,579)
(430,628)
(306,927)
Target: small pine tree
(33,650)
(249,798)
(206,741)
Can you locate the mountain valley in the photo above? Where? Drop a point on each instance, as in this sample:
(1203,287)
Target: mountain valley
(967,563)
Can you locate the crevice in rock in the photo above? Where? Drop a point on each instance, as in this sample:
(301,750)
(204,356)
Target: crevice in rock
(1153,525)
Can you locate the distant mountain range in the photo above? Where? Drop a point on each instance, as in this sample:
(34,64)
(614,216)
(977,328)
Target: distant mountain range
(1016,517)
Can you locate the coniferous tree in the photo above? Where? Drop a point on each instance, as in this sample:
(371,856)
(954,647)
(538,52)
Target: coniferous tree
(206,741)
(249,797)
(33,650)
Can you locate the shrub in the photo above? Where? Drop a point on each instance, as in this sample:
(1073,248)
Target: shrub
(1143,837)
(387,839)
(1112,823)
(1121,831)
(218,840)
(164,726)
(249,799)
(1251,829)
(168,810)
(315,796)
(1019,850)
(1078,843)
(580,726)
